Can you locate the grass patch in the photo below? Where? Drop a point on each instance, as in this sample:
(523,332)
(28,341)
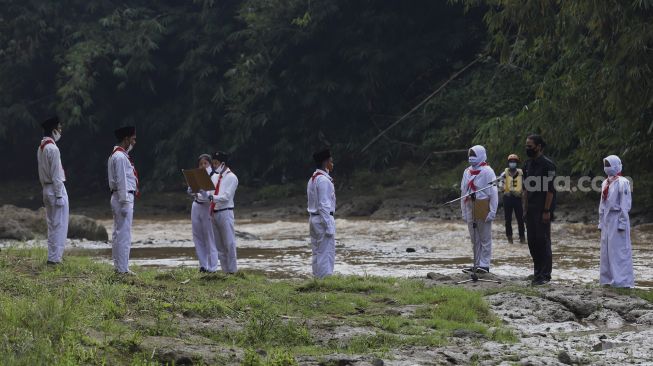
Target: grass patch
(82,313)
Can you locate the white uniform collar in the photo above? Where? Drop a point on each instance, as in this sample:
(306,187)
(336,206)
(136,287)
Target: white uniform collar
(323,172)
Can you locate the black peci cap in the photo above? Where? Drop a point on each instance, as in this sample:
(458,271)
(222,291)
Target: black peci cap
(126,131)
(321,156)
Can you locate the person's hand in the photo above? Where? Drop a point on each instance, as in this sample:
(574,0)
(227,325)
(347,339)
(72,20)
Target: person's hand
(546,217)
(189,191)
(59,202)
(203,194)
(490,216)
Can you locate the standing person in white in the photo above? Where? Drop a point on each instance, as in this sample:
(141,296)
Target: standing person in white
(222,213)
(123,183)
(478,176)
(207,252)
(614,223)
(55,197)
(321,196)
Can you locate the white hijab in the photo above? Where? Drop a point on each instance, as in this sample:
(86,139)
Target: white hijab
(615,163)
(480,154)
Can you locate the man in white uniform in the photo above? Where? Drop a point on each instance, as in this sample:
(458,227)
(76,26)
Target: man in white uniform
(123,183)
(222,213)
(55,197)
(614,223)
(321,208)
(207,252)
(478,176)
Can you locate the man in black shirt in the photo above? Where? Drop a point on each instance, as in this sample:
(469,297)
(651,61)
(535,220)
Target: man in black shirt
(539,204)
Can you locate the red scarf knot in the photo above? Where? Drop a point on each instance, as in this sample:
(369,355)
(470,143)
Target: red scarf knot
(604,194)
(471,187)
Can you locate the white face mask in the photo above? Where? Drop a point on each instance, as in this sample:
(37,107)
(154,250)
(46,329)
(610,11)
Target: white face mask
(474,160)
(56,135)
(512,165)
(130,148)
(209,170)
(610,171)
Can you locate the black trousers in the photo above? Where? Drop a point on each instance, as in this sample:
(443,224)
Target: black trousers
(510,204)
(539,244)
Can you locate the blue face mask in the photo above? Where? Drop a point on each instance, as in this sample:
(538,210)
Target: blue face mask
(512,165)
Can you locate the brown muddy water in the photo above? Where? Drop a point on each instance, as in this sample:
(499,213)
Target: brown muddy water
(282,249)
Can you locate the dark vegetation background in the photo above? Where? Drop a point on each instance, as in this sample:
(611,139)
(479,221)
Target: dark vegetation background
(272,80)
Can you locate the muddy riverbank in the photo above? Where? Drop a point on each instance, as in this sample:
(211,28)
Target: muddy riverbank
(404,248)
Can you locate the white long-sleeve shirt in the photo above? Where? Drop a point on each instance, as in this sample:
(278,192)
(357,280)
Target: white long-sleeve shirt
(122,178)
(228,184)
(322,198)
(50,168)
(481,180)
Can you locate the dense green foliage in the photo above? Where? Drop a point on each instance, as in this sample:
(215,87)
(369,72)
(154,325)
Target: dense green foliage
(270,81)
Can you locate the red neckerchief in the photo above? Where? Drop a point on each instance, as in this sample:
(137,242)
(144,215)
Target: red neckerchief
(471,186)
(46,142)
(317,174)
(607,186)
(119,148)
(217,187)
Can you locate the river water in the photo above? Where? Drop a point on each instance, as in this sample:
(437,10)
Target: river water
(374,247)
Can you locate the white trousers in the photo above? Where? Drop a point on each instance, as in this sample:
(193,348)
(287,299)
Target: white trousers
(57,219)
(616,253)
(225,240)
(481,237)
(323,246)
(123,214)
(207,252)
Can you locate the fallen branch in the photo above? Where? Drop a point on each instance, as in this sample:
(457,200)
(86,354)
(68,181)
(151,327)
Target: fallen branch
(454,76)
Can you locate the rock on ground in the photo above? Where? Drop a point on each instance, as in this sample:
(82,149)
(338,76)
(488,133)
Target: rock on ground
(23,224)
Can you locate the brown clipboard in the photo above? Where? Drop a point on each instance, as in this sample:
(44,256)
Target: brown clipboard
(481,209)
(198,179)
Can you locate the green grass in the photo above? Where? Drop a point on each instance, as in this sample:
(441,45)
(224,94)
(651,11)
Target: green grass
(82,313)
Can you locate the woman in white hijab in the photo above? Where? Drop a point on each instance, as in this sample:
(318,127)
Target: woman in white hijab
(477,176)
(614,223)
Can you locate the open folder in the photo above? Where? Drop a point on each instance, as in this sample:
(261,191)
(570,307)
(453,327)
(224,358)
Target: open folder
(198,179)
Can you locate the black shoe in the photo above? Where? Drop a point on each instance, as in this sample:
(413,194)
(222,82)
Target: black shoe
(483,270)
(203,270)
(51,263)
(530,278)
(522,240)
(510,240)
(539,282)
(468,270)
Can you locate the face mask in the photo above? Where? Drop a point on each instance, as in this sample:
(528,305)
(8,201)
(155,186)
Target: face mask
(209,170)
(530,152)
(56,135)
(512,166)
(473,160)
(610,171)
(130,148)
